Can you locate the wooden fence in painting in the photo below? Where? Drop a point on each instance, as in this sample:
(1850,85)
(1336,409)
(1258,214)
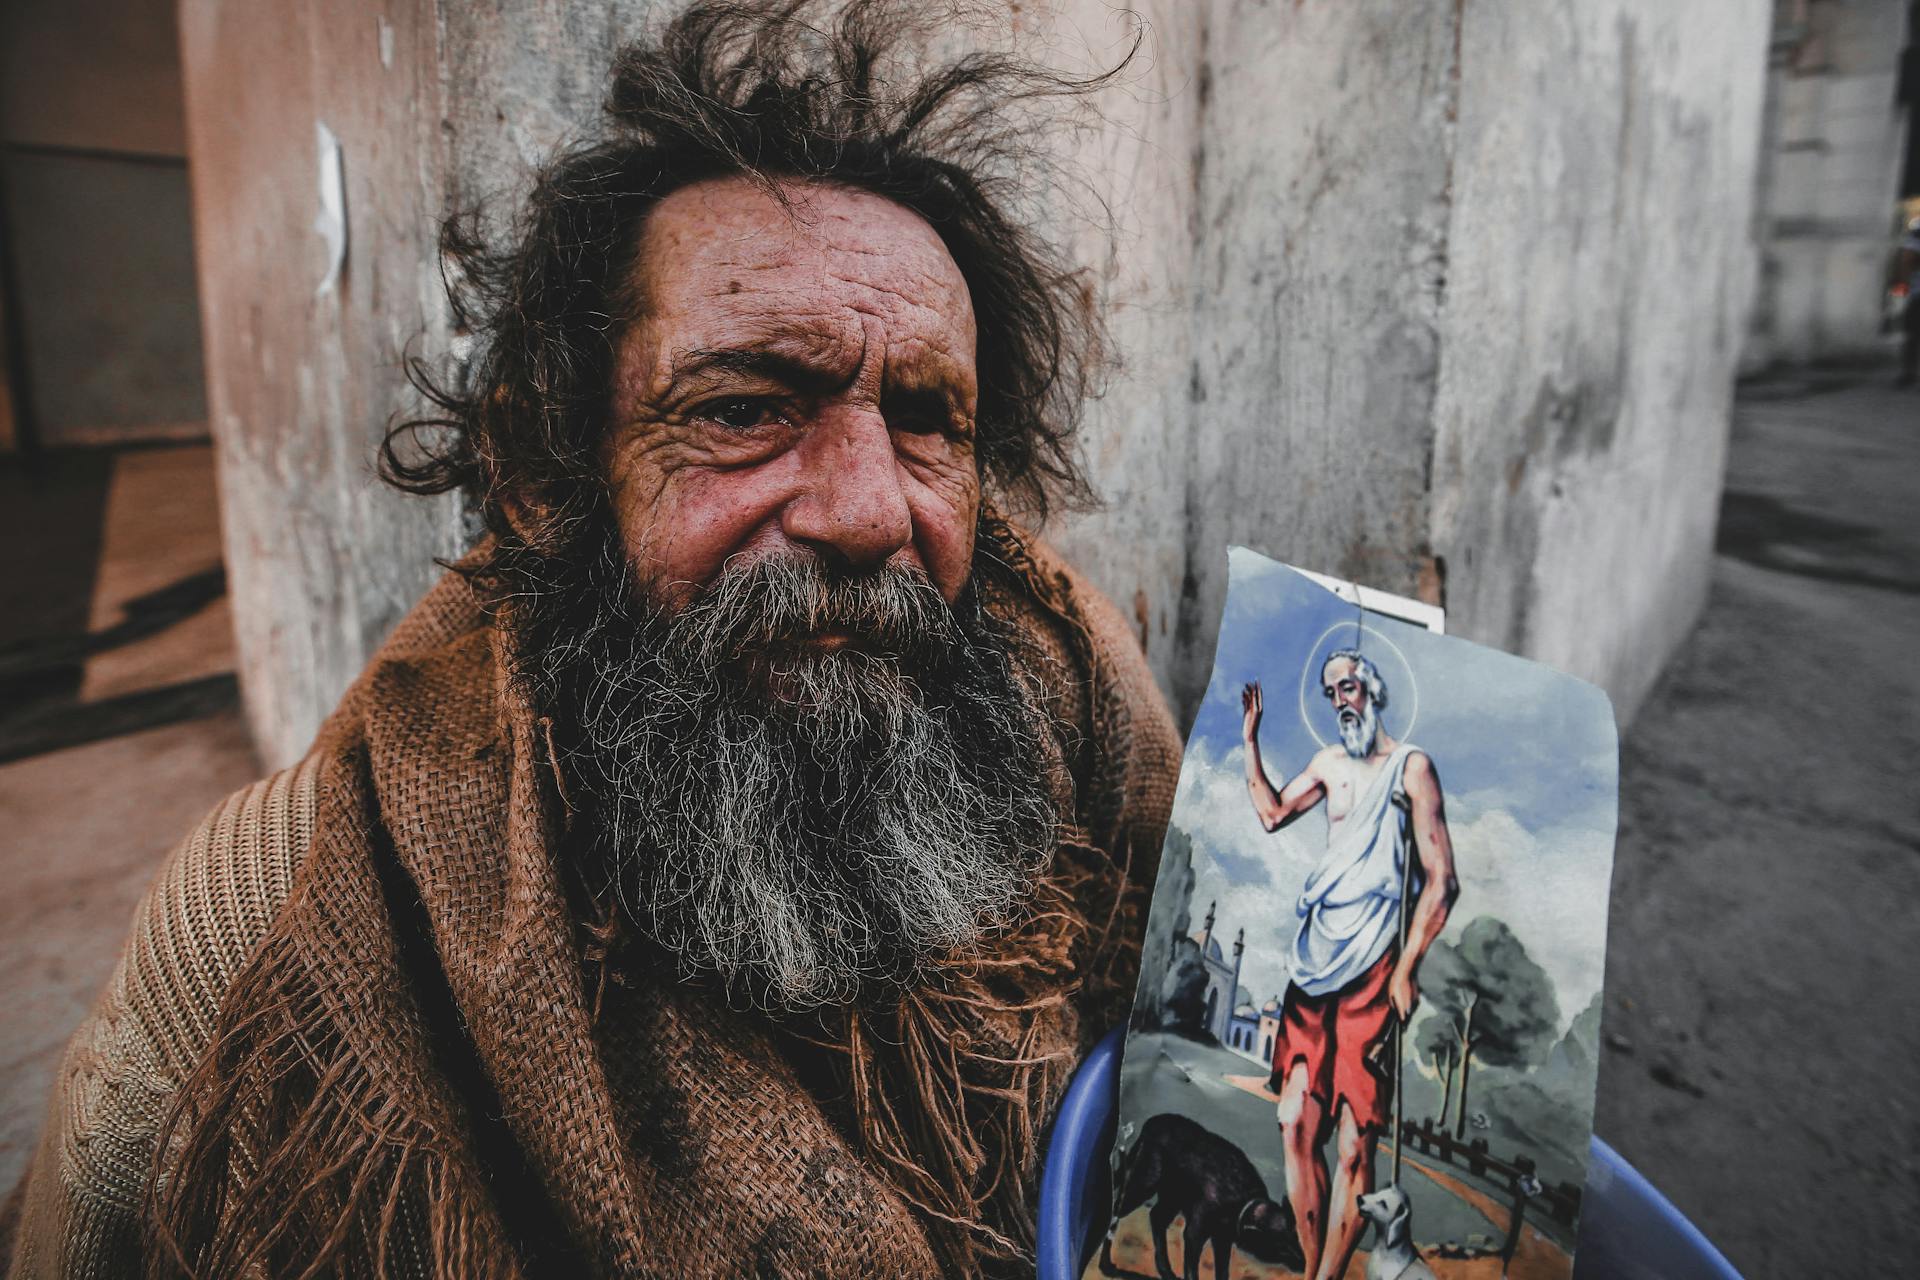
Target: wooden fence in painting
(1561,1201)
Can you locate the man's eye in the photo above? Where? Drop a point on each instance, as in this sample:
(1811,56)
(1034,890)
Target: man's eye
(919,424)
(740,413)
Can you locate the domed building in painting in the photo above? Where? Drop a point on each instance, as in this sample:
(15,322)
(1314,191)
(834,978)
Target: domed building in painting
(1223,984)
(1267,1030)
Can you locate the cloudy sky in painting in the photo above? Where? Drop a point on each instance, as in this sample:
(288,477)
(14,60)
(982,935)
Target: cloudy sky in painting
(1526,756)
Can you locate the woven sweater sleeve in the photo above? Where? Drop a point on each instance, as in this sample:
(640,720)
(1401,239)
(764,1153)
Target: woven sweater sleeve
(80,1215)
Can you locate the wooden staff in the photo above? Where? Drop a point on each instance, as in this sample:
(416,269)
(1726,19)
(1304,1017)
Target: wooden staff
(1399,1024)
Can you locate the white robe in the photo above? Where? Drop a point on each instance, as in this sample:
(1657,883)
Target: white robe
(1350,907)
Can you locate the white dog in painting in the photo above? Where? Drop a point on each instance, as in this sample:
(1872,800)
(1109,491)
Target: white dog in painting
(1393,1256)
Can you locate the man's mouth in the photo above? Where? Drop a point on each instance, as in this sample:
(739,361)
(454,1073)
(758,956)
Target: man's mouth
(802,644)
(800,648)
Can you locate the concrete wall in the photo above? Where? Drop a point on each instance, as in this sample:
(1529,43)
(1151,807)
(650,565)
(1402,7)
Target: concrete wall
(1834,137)
(1441,298)
(1321,222)
(321,559)
(1466,291)
(1599,277)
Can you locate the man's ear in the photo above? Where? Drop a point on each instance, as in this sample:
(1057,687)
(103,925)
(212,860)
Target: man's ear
(530,518)
(517,511)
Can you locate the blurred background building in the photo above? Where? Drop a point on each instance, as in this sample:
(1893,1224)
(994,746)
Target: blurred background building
(1839,175)
(1447,298)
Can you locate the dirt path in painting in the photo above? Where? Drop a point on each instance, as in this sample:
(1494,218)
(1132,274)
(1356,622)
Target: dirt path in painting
(1537,1258)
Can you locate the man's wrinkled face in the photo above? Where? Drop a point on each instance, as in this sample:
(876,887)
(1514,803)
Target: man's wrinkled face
(812,759)
(799,383)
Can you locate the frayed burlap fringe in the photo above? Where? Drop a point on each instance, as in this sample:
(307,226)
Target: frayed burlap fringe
(955,1116)
(288,1155)
(436,1065)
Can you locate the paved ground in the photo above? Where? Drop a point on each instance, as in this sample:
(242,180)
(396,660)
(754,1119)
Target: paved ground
(1762,1060)
(1762,1036)
(118,730)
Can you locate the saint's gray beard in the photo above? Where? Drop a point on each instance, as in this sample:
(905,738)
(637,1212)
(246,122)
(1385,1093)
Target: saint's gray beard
(1360,735)
(806,824)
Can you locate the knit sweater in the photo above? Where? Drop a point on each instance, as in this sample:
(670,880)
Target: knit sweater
(202,916)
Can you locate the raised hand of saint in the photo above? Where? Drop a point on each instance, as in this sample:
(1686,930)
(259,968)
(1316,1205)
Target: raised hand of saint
(1251,706)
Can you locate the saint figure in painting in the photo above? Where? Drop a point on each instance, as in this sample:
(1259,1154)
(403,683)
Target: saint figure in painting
(1353,971)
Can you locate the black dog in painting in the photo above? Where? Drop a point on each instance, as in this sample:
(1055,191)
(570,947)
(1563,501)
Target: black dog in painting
(1190,1172)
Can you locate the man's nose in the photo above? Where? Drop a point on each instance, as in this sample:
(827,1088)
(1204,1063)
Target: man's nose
(852,509)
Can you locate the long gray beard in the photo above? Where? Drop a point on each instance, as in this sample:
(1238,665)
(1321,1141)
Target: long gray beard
(806,824)
(1359,736)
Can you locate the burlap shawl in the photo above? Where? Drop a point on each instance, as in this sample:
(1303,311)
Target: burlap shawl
(442,1061)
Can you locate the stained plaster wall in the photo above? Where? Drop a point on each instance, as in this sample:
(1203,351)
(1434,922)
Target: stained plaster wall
(1439,297)
(1599,278)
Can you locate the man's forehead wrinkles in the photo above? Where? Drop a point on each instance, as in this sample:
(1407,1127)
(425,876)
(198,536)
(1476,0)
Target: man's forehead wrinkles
(908,316)
(775,247)
(869,305)
(934,288)
(858,249)
(754,264)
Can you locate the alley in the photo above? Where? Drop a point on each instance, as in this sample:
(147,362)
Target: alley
(1761,1034)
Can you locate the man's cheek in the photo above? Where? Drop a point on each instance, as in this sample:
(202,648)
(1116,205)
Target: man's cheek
(698,518)
(946,510)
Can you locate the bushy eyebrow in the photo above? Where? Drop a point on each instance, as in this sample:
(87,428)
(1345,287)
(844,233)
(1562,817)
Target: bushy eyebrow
(777,366)
(935,398)
(941,402)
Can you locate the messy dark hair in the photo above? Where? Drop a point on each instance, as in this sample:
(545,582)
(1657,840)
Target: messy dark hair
(768,91)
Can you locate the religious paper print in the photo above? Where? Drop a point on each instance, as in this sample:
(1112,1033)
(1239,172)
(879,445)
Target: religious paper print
(1367,1029)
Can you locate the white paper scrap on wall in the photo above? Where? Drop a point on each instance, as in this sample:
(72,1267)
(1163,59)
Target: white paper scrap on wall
(331,221)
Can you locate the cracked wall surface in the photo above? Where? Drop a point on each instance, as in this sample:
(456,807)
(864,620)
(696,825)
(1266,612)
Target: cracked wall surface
(1441,297)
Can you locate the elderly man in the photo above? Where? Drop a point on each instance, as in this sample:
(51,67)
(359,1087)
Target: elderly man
(1353,970)
(719,871)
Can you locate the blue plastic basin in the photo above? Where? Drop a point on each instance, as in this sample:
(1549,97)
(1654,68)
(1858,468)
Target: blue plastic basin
(1628,1230)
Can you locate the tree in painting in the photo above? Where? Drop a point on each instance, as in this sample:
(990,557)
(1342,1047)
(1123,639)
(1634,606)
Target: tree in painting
(1439,1045)
(1498,1003)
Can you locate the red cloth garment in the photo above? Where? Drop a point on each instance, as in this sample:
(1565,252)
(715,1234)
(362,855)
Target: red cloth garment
(1341,1037)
